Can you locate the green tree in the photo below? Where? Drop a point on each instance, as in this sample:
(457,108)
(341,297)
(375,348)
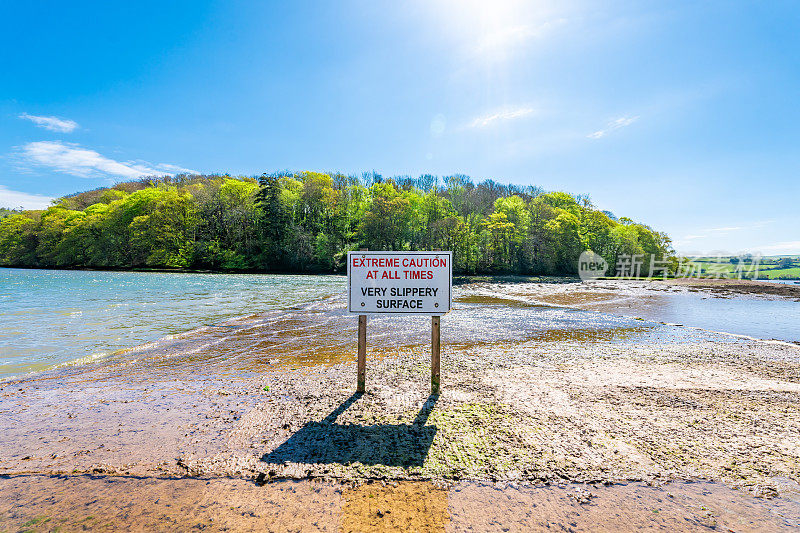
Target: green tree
(385,225)
(163,235)
(308,221)
(18,240)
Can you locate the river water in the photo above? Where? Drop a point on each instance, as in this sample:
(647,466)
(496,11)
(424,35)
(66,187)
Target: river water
(53,317)
(50,318)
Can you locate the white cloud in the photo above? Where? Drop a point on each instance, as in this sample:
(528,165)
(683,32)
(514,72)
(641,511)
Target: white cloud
(726,229)
(687,240)
(52,123)
(16,199)
(174,169)
(785,247)
(753,225)
(505,114)
(71,158)
(613,125)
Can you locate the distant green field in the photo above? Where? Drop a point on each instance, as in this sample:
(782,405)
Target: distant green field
(726,258)
(722,267)
(786,273)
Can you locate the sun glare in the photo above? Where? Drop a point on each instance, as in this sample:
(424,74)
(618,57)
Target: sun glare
(492,30)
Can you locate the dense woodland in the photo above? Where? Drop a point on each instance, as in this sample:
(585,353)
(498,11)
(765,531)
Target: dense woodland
(306,222)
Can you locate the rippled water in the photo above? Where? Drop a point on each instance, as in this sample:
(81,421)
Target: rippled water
(244,322)
(323,332)
(52,317)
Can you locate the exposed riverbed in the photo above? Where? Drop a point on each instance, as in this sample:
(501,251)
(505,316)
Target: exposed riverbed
(532,395)
(756,309)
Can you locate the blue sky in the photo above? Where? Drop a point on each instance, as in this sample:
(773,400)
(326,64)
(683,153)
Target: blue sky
(685,116)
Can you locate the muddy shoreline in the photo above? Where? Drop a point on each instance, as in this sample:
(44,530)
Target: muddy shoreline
(739,286)
(608,403)
(118,503)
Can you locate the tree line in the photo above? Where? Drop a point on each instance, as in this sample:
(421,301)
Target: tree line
(307,221)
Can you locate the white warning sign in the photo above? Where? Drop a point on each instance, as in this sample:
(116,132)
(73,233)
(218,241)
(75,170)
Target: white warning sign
(400,282)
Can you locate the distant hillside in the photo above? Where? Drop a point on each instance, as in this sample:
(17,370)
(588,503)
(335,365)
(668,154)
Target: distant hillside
(306,222)
(760,267)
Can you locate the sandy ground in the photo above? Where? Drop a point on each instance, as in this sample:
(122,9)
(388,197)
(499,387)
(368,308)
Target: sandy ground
(721,409)
(556,408)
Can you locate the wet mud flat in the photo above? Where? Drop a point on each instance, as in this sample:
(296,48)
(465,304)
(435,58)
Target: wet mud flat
(532,395)
(739,286)
(612,294)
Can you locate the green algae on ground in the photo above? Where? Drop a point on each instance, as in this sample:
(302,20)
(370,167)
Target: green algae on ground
(478,441)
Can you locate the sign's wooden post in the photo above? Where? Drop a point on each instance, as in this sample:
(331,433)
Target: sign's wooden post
(361,382)
(400,283)
(435,329)
(362,353)
(435,347)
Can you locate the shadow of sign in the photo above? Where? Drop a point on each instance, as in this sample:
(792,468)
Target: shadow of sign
(403,445)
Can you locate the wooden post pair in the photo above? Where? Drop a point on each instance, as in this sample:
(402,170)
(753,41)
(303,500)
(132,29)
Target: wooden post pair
(362,354)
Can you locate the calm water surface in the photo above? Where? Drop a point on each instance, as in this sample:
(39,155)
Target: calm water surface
(757,317)
(750,315)
(52,317)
